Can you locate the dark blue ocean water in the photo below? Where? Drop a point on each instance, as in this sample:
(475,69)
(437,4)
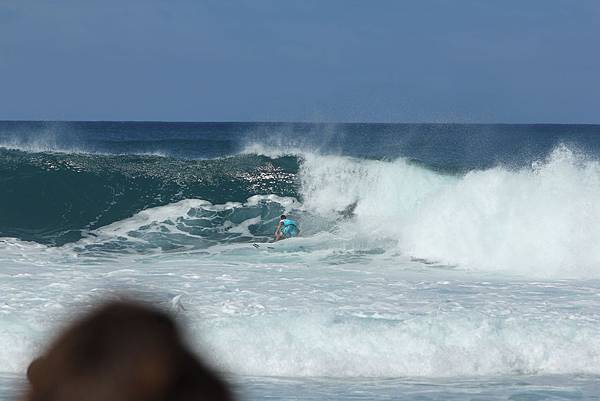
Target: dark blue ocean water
(445,146)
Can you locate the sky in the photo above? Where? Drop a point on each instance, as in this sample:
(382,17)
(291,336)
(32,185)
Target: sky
(509,61)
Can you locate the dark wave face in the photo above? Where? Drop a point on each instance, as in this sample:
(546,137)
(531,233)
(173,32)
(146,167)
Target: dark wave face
(51,197)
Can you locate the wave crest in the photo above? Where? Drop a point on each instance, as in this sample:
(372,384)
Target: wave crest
(544,220)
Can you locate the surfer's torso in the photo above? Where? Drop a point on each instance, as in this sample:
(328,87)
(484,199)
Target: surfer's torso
(289,228)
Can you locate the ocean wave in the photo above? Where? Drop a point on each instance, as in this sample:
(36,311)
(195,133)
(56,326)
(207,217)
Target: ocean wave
(182,140)
(172,148)
(543,220)
(323,344)
(52,198)
(444,345)
(188,225)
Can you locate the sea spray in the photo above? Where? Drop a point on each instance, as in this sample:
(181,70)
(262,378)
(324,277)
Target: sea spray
(543,220)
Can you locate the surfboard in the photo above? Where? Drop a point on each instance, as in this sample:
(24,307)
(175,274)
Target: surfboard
(257,246)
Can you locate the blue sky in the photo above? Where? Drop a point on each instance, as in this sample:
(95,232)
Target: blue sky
(255,60)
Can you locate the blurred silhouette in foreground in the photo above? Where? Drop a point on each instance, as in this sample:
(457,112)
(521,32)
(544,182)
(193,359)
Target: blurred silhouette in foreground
(122,351)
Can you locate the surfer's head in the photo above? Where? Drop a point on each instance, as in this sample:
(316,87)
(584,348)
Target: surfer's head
(282,217)
(122,351)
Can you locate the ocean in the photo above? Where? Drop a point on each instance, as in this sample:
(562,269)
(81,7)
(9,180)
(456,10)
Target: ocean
(435,261)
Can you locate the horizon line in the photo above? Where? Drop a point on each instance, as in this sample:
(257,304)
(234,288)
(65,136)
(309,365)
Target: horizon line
(296,122)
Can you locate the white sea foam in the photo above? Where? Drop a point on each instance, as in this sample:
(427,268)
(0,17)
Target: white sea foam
(330,303)
(284,312)
(542,221)
(432,346)
(151,216)
(20,343)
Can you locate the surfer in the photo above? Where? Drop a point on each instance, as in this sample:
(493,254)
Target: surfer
(286,228)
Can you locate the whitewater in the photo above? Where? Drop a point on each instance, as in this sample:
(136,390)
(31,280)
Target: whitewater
(421,272)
